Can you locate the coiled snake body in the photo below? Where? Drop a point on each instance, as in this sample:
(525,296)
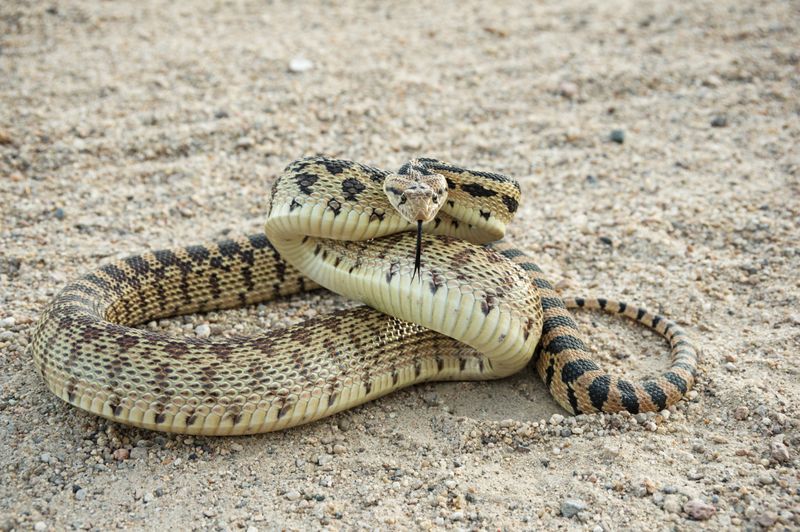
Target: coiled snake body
(475,309)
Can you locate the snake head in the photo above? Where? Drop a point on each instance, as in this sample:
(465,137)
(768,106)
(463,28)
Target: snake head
(416,196)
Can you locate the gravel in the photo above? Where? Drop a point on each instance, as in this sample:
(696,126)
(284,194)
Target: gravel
(126,129)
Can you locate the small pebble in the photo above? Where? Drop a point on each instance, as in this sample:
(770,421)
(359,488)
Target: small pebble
(7,322)
(300,64)
(741,413)
(40,526)
(571,507)
(731,367)
(324,459)
(292,495)
(122,454)
(617,135)
(148,497)
(672,504)
(719,121)
(568,90)
(138,453)
(237,447)
(209,512)
(202,331)
(59,213)
(778,451)
(80,494)
(699,510)
(556,419)
(765,479)
(767,519)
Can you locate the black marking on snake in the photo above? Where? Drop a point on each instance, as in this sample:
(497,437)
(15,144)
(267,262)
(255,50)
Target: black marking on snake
(602,302)
(628,396)
(375,174)
(294,205)
(574,369)
(335,206)
(640,314)
(198,254)
(332,398)
(213,281)
(259,241)
(454,223)
(580,301)
(377,214)
(478,191)
(487,305)
(305,181)
(622,307)
(439,364)
(436,222)
(656,320)
(510,203)
(137,264)
(393,269)
(598,391)
(229,248)
(336,166)
(351,188)
(116,273)
(417,369)
(485,215)
(166,257)
(437,281)
(676,380)
(564,342)
(191,420)
(317,249)
(512,253)
(284,410)
(395,377)
(656,394)
(549,303)
(394,190)
(97,281)
(551,322)
(542,283)
(462,364)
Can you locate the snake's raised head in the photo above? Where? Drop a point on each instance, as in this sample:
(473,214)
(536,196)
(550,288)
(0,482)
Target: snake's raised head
(417,194)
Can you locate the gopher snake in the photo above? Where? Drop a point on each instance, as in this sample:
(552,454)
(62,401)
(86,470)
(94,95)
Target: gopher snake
(332,221)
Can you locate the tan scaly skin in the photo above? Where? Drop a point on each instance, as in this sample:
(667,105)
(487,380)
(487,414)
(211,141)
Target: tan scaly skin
(477,309)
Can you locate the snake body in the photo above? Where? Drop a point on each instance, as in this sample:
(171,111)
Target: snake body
(478,309)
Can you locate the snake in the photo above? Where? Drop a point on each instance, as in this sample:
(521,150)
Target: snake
(445,297)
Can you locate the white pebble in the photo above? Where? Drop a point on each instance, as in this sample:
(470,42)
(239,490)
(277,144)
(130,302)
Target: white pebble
(202,331)
(556,419)
(7,322)
(40,526)
(300,64)
(292,495)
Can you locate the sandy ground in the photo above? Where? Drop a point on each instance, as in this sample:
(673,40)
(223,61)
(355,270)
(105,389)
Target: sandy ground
(127,126)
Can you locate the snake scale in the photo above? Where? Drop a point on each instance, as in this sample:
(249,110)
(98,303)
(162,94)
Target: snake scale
(472,307)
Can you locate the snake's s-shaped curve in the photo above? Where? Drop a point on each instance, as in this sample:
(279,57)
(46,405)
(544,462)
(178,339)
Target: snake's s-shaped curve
(332,219)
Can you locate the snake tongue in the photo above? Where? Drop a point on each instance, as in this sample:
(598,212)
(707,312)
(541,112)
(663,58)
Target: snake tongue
(418,255)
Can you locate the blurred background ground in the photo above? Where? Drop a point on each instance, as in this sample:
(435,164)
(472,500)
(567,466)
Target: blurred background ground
(127,126)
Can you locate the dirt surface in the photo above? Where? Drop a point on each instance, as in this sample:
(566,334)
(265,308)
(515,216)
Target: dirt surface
(127,126)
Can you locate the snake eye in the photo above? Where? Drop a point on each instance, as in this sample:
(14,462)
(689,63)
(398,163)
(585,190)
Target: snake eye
(402,200)
(435,198)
